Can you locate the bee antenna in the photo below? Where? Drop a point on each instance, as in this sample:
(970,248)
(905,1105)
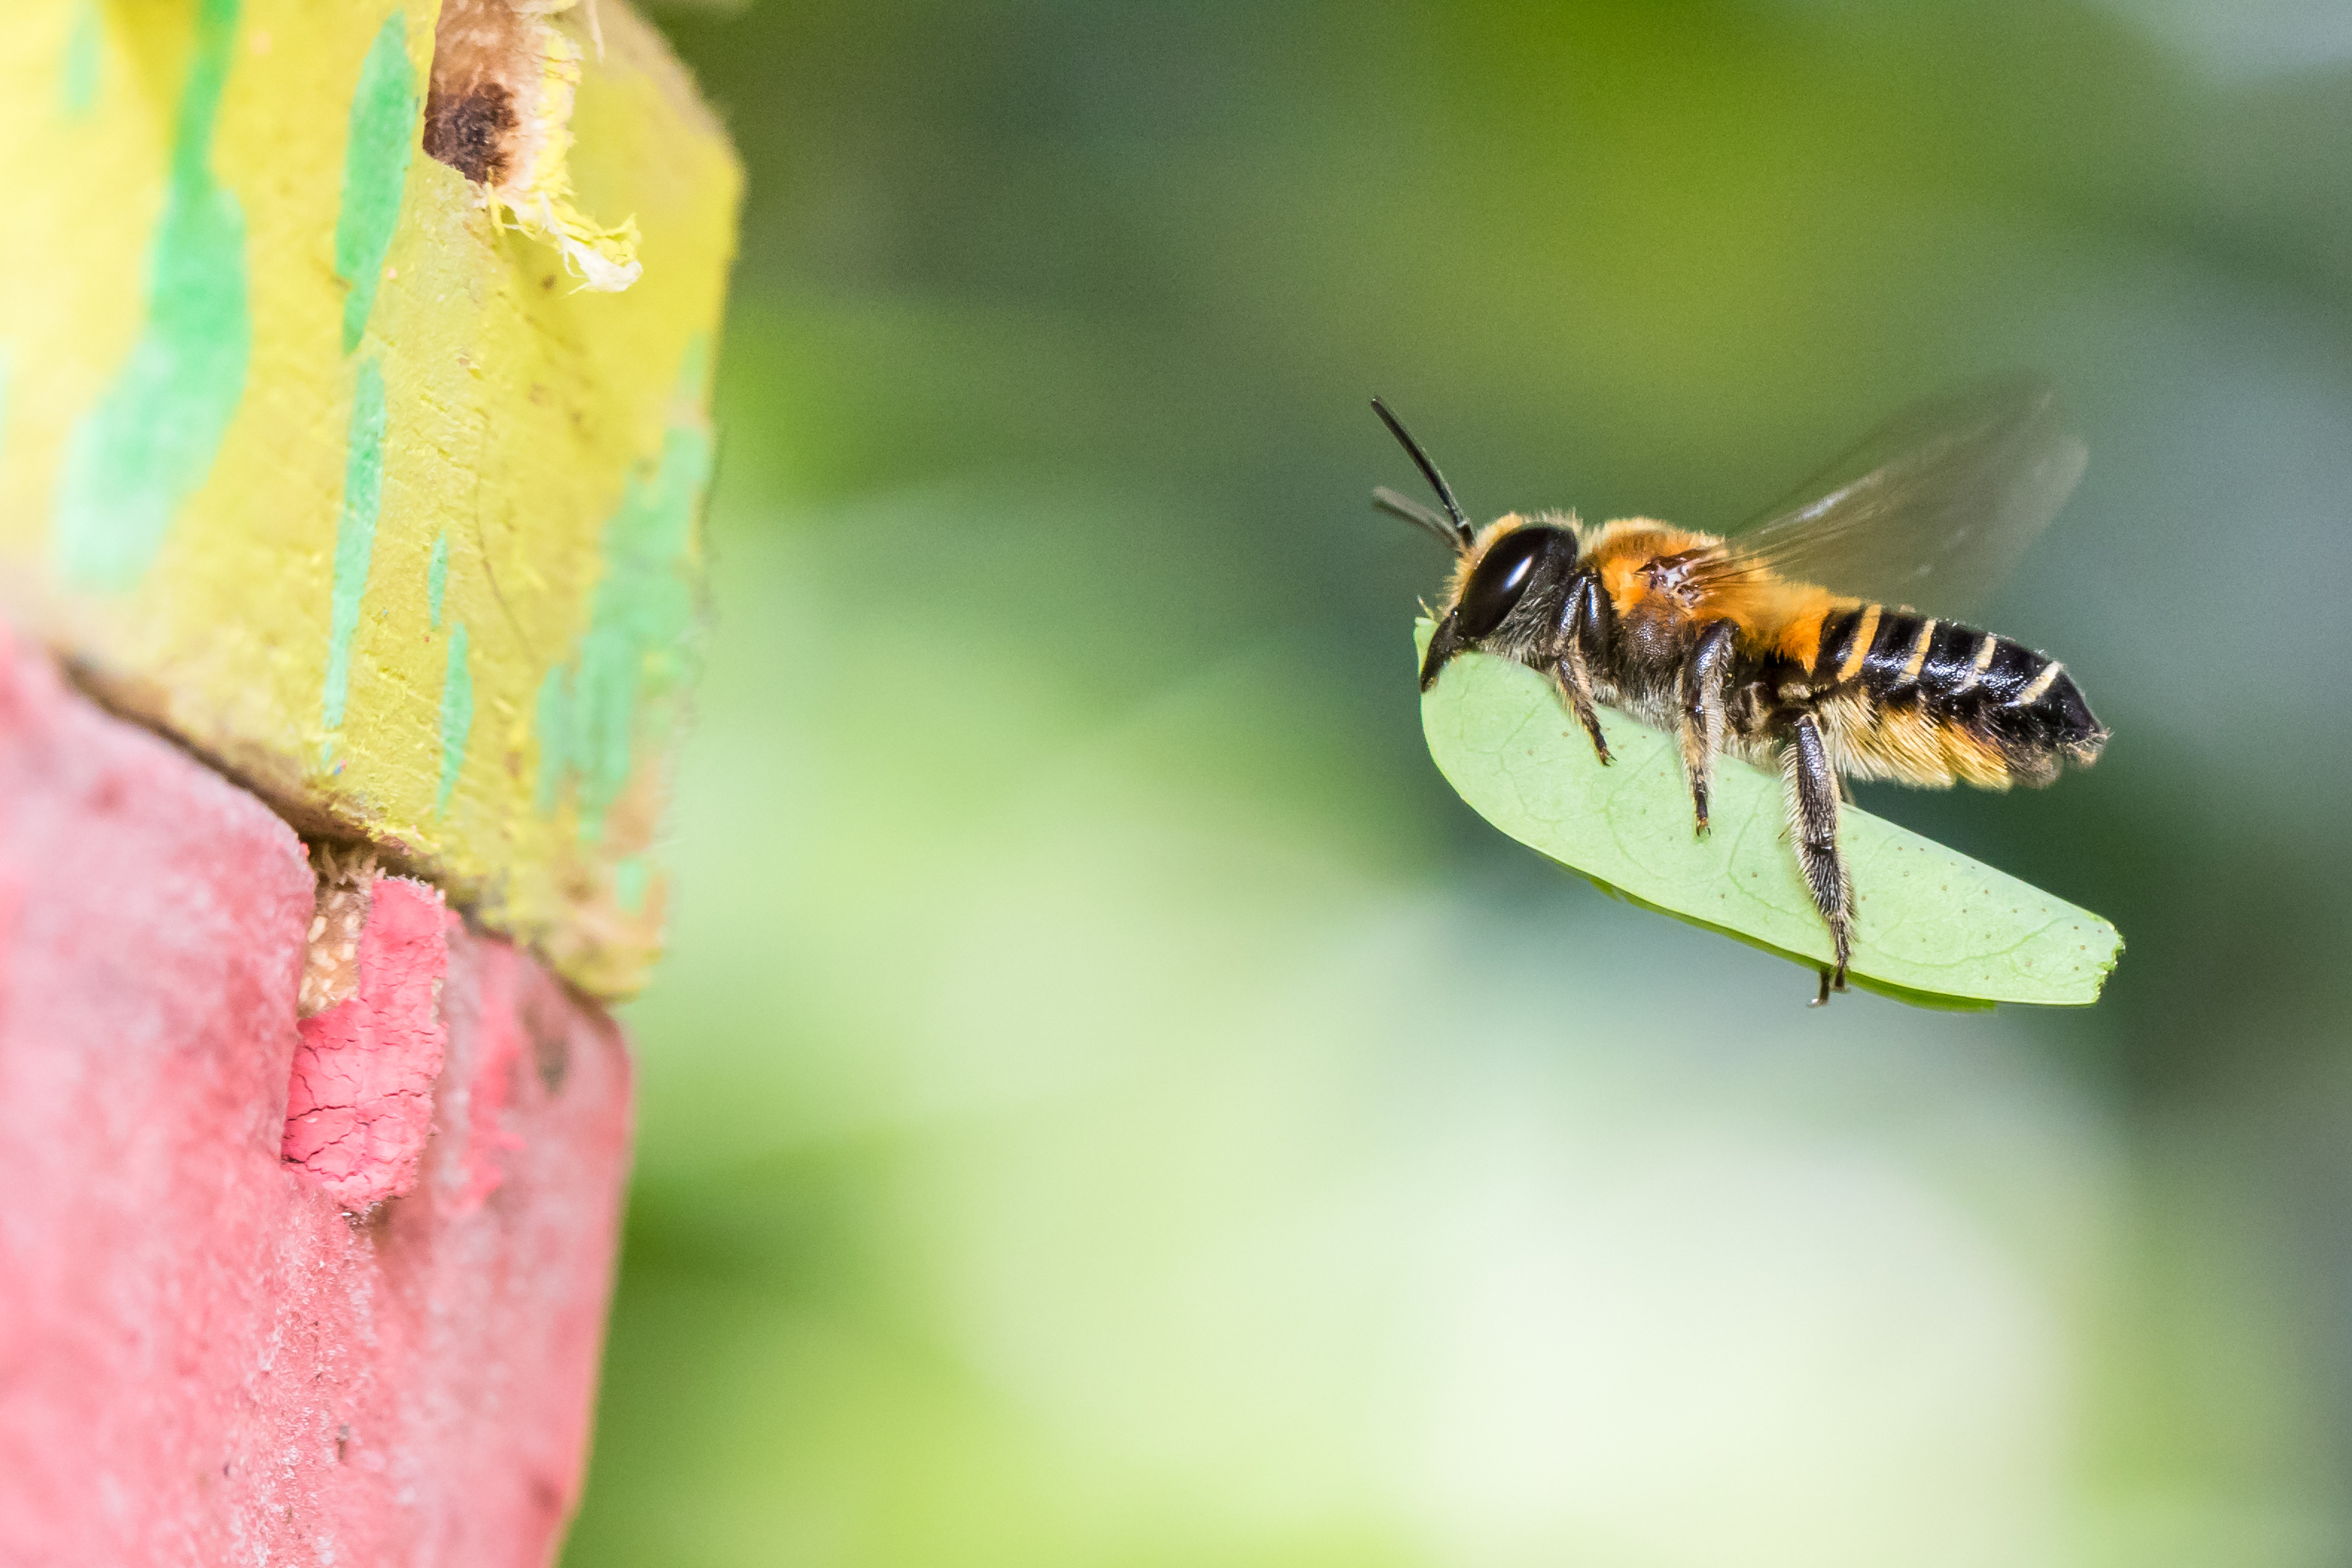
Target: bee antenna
(1428,518)
(1458,533)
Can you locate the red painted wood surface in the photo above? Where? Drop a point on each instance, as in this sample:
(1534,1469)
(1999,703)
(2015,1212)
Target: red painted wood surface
(206,1357)
(359,1110)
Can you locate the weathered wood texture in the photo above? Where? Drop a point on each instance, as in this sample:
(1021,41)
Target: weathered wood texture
(205,1359)
(378,486)
(314,456)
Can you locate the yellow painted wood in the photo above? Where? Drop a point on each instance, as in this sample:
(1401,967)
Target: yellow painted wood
(426,569)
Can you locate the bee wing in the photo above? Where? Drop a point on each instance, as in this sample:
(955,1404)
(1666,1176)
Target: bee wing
(1933,508)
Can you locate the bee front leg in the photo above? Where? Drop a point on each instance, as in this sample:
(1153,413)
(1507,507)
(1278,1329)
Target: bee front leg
(1706,677)
(1812,791)
(1579,622)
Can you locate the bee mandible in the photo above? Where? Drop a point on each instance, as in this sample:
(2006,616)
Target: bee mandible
(1793,642)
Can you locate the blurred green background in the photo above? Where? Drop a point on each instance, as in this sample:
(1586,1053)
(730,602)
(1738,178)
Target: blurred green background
(1108,1104)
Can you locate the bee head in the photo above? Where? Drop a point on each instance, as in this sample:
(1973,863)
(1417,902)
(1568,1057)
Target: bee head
(1498,568)
(1513,563)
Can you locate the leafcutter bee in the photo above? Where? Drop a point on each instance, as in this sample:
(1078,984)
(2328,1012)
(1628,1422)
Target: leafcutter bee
(1793,642)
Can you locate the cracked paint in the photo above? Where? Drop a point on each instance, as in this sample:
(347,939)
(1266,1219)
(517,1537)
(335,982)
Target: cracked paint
(360,1103)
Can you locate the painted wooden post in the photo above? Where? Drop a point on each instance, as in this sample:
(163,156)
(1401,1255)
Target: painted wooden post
(354,473)
(354,362)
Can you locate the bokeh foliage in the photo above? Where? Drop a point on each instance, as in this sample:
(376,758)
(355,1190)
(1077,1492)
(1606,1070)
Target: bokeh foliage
(1108,1102)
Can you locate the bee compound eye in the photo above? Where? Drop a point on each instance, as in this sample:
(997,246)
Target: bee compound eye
(1502,578)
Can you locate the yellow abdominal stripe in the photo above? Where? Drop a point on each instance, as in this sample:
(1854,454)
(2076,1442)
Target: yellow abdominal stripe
(1863,634)
(1911,667)
(2042,683)
(1987,649)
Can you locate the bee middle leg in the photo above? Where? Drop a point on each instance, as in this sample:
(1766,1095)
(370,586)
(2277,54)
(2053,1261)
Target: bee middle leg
(1706,679)
(1812,789)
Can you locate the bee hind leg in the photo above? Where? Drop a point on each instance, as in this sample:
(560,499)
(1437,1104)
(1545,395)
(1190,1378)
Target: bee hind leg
(1811,784)
(1706,679)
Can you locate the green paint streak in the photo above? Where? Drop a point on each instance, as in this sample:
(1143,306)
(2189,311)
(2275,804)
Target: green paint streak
(638,645)
(437,578)
(355,533)
(457,717)
(85,53)
(150,442)
(631,877)
(375,167)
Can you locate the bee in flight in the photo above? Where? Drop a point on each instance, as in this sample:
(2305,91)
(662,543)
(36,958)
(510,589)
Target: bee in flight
(1793,642)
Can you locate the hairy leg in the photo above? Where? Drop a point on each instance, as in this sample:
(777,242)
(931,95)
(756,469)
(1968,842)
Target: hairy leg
(1579,624)
(1706,679)
(1812,794)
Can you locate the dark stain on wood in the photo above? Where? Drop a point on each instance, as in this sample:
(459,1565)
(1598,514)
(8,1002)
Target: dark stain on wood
(469,128)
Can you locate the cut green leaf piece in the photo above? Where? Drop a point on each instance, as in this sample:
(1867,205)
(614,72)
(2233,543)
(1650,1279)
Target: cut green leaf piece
(1931,926)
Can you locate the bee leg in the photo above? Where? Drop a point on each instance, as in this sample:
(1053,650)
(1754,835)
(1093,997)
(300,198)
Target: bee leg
(1575,675)
(1577,684)
(1811,786)
(1707,675)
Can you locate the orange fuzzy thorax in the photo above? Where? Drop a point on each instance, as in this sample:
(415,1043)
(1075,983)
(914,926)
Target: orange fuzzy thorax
(1775,617)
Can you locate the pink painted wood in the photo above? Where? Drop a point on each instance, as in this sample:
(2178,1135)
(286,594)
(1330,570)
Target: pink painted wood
(206,1356)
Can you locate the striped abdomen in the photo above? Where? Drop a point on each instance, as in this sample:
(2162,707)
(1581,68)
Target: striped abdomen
(1942,698)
